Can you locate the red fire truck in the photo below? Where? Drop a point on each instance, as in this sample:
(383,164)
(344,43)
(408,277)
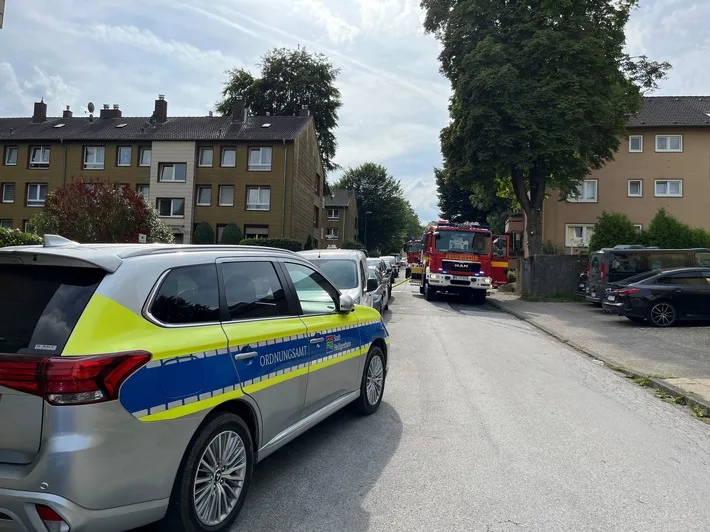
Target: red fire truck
(457,258)
(414,259)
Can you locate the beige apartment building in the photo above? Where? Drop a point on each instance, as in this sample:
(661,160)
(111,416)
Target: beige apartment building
(341,217)
(664,162)
(263,173)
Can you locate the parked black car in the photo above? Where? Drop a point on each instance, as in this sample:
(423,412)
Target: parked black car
(662,297)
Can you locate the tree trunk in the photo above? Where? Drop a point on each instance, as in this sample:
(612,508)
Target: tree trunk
(533,231)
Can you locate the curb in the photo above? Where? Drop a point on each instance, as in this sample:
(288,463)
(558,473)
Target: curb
(656,383)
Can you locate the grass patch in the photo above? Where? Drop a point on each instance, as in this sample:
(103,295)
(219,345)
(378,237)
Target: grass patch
(698,410)
(643,381)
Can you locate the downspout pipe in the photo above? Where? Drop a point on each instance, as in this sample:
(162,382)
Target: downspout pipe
(64,171)
(283,196)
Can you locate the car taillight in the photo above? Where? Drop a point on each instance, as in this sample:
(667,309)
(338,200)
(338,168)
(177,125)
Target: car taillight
(602,273)
(51,519)
(71,380)
(628,291)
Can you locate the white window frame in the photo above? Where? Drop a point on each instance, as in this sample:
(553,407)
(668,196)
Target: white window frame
(668,194)
(261,166)
(197,196)
(14,192)
(172,207)
(8,150)
(668,143)
(130,156)
(6,223)
(261,232)
(337,214)
(199,157)
(640,139)
(260,205)
(595,199)
(96,164)
(140,188)
(36,201)
(221,157)
(628,188)
(219,196)
(586,235)
(163,166)
(41,163)
(638,227)
(335,233)
(143,150)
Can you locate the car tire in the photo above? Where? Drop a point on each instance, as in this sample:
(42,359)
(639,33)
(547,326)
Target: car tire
(372,387)
(636,319)
(662,314)
(183,513)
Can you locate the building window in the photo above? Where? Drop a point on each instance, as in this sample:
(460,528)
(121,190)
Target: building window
(229,157)
(332,233)
(94,157)
(669,188)
(39,157)
(206,157)
(635,188)
(144,190)
(316,216)
(669,143)
(171,207)
(36,194)
(226,196)
(333,214)
(204,196)
(220,232)
(256,231)
(6,224)
(8,192)
(173,172)
(638,227)
(11,156)
(145,157)
(316,188)
(636,143)
(258,198)
(125,153)
(260,159)
(586,192)
(578,236)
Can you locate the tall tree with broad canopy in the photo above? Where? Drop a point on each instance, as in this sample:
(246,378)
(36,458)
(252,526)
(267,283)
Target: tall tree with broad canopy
(542,91)
(290,79)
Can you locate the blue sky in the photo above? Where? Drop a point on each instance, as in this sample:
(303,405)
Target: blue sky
(395,101)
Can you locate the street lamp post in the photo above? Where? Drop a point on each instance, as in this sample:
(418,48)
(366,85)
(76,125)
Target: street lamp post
(366,215)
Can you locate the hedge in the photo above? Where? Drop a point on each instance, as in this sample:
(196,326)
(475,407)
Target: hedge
(15,237)
(282,243)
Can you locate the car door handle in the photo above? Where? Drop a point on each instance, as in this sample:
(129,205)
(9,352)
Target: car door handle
(316,340)
(678,291)
(245,356)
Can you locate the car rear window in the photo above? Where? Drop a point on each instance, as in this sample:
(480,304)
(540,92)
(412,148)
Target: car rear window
(702,259)
(41,305)
(343,272)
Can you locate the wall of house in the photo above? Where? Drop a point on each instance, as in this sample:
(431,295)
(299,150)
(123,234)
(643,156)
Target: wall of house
(304,198)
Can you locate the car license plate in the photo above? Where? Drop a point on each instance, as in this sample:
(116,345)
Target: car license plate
(460,278)
(611,298)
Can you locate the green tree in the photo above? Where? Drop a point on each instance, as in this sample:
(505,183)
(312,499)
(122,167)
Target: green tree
(612,229)
(204,234)
(232,235)
(15,237)
(455,202)
(542,91)
(309,243)
(290,79)
(379,193)
(665,231)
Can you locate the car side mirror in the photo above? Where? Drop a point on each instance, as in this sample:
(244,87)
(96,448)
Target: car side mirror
(346,304)
(372,285)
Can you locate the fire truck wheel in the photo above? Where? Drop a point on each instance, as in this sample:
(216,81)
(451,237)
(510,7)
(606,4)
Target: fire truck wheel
(479,297)
(428,292)
(421,289)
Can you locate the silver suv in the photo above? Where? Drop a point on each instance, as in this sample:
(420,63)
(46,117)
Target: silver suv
(141,383)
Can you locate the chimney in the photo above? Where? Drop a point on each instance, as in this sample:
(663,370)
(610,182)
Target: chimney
(107,112)
(304,111)
(67,113)
(40,113)
(161,109)
(238,110)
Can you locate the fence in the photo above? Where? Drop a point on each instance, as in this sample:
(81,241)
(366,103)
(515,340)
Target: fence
(550,275)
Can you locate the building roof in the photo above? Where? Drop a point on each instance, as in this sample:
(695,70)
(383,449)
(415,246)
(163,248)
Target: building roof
(140,128)
(340,197)
(673,111)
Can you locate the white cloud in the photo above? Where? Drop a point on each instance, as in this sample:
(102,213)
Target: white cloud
(20,94)
(338,29)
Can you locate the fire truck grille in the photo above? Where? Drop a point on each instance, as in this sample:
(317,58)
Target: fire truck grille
(461,266)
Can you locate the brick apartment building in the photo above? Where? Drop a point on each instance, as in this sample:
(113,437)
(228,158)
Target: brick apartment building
(341,217)
(262,172)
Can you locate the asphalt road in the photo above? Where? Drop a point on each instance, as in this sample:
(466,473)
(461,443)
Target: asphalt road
(489,425)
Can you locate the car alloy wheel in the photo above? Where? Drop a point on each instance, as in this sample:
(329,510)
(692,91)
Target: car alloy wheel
(219,478)
(374,380)
(662,314)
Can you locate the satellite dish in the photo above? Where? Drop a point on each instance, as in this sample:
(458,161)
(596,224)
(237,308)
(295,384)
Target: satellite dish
(91,107)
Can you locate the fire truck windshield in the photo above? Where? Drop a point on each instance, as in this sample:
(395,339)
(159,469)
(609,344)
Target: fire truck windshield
(463,242)
(415,247)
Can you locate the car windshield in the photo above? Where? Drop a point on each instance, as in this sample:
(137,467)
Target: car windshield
(464,242)
(373,263)
(343,272)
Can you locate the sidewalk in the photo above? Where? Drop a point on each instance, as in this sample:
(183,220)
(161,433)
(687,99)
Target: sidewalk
(676,359)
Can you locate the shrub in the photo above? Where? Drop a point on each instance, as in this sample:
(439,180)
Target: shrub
(665,231)
(204,234)
(612,229)
(353,245)
(15,237)
(281,243)
(232,235)
(309,243)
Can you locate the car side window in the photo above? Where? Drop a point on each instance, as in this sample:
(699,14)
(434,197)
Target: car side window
(253,291)
(188,295)
(314,292)
(687,279)
(702,259)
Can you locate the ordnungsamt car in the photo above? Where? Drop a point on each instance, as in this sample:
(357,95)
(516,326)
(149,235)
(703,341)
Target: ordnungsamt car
(141,383)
